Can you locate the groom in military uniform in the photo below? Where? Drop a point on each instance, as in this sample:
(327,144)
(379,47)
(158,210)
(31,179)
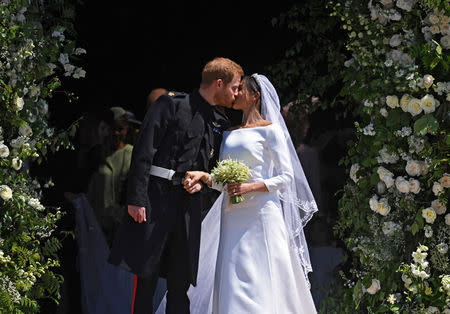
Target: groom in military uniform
(161,236)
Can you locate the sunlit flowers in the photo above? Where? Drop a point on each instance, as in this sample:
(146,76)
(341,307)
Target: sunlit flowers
(5,192)
(429,215)
(4,150)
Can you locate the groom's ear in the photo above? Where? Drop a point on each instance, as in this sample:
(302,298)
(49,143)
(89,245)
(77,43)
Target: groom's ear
(219,83)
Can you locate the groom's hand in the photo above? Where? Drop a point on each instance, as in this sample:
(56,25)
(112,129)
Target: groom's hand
(137,212)
(193,188)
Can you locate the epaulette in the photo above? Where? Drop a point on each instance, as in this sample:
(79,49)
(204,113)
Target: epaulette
(177,94)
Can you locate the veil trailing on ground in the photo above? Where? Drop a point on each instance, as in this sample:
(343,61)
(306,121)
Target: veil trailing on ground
(296,199)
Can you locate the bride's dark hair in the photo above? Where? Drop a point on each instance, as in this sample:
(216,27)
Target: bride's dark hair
(251,84)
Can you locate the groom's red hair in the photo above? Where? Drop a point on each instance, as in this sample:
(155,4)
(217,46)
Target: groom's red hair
(220,68)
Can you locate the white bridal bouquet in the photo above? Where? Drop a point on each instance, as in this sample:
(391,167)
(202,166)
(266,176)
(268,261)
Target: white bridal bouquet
(229,171)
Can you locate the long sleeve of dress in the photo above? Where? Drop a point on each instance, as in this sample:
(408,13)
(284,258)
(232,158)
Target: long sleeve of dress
(217,186)
(151,135)
(276,143)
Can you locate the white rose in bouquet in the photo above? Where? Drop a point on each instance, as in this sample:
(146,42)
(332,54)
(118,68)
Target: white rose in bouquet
(384,112)
(428,103)
(374,287)
(438,207)
(392,101)
(402,185)
(429,215)
(414,186)
(5,192)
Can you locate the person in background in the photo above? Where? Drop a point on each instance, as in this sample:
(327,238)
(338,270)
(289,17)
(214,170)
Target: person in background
(107,186)
(154,95)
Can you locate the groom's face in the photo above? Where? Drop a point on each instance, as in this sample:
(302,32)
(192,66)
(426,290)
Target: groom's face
(226,93)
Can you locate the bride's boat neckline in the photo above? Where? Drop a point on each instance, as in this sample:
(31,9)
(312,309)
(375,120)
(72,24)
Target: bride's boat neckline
(255,127)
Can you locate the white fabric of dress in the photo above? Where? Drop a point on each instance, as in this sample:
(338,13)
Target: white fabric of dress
(255,270)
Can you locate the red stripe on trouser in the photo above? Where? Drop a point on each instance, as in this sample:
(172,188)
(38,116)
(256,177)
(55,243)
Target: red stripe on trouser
(134,293)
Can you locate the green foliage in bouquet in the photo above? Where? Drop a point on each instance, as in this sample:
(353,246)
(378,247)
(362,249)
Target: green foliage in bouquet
(36,49)
(231,171)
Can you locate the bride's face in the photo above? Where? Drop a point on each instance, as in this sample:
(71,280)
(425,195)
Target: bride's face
(245,98)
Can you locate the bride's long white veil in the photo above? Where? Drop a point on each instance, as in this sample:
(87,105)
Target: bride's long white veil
(298,207)
(297,200)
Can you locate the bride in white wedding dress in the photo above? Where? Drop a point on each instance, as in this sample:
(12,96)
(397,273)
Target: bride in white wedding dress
(253,255)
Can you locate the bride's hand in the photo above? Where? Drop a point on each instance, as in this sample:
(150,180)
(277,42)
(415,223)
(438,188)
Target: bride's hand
(234,189)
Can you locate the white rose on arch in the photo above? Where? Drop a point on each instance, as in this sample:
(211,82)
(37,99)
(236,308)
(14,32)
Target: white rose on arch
(4,150)
(395,40)
(386,176)
(406,5)
(429,215)
(18,103)
(5,192)
(445,180)
(353,170)
(428,103)
(414,107)
(404,102)
(374,287)
(442,248)
(428,80)
(16,163)
(437,188)
(413,168)
(414,186)
(402,185)
(392,101)
(447,219)
(383,207)
(438,207)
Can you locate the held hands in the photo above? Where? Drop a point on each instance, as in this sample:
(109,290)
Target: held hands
(137,212)
(192,180)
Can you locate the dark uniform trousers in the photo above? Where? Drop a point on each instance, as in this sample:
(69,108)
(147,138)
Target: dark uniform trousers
(176,260)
